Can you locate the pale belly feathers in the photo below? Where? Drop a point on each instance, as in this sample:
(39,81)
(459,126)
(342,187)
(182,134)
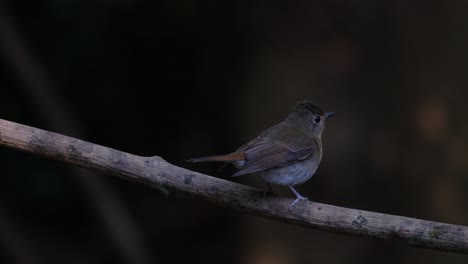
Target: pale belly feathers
(293,174)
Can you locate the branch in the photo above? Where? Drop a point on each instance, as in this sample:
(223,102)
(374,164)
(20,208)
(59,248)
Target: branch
(161,175)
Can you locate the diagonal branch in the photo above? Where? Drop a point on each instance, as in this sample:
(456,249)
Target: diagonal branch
(161,175)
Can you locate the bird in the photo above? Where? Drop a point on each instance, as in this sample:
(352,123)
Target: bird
(286,154)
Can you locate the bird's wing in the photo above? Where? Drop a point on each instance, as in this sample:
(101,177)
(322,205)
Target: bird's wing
(263,154)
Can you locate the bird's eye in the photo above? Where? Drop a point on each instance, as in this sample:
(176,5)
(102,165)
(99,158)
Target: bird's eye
(317,119)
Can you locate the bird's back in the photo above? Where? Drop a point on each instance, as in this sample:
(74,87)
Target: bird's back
(278,146)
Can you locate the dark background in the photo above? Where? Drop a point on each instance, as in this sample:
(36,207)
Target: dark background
(183,79)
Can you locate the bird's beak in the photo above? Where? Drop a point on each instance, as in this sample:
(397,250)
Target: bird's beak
(328,115)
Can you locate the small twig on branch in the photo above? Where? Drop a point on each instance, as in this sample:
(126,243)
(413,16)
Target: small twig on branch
(159,174)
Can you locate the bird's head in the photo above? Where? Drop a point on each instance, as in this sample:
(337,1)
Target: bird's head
(309,117)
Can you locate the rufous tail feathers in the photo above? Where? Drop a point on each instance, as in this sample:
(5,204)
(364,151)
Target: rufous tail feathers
(228,157)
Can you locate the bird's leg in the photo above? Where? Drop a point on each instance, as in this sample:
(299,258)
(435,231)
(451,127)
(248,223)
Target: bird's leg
(298,197)
(268,190)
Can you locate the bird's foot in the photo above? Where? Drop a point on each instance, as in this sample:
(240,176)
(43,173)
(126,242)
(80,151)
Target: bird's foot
(296,201)
(268,190)
(298,198)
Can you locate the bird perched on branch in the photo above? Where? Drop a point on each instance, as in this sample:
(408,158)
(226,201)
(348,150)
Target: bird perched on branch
(287,153)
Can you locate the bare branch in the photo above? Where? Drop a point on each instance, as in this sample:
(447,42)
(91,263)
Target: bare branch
(159,174)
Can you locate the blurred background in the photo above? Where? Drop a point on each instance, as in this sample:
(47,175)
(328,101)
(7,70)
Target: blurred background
(183,79)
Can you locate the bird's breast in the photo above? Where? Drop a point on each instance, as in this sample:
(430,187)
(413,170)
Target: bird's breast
(293,174)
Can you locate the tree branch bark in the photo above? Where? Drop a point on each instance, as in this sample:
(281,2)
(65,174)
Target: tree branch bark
(163,176)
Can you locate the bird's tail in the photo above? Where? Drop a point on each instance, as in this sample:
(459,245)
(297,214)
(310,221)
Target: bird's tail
(228,157)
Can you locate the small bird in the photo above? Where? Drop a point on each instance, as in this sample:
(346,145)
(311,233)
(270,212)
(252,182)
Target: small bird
(287,153)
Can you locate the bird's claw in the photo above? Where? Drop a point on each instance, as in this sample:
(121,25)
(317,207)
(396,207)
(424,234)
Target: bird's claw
(296,201)
(267,191)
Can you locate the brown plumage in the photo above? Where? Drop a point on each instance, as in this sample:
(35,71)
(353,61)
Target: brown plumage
(228,157)
(287,154)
